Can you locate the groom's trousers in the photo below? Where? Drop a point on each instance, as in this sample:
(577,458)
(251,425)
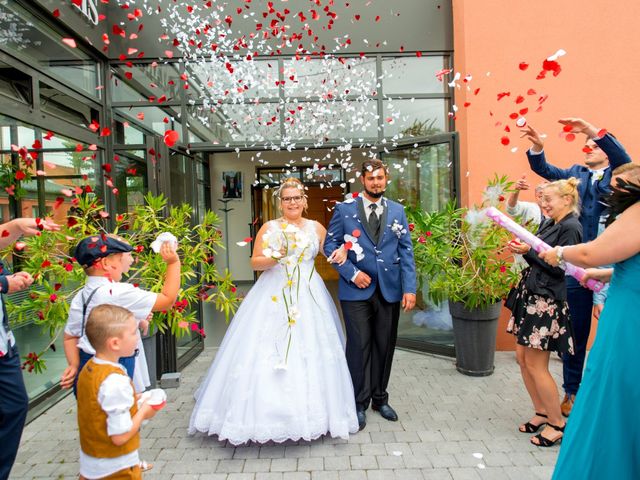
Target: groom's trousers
(372,328)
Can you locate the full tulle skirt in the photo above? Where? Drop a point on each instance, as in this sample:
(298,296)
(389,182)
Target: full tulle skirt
(272,381)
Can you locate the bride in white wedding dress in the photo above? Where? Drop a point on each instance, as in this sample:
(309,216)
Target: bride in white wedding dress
(280,372)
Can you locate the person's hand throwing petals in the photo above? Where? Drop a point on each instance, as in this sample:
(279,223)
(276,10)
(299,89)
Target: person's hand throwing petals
(31,226)
(522,183)
(534,137)
(19,281)
(168,253)
(579,125)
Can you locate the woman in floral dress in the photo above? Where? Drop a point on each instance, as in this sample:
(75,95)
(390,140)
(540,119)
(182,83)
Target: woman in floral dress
(540,316)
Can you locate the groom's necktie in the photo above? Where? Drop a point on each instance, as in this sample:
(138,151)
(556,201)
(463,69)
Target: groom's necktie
(374,222)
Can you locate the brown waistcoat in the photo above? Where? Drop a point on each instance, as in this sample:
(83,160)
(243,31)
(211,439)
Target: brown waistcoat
(92,420)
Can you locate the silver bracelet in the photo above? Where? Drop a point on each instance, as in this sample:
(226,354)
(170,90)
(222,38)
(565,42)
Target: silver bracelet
(560,257)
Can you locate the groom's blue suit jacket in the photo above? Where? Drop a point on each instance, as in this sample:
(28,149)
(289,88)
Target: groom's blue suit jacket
(389,263)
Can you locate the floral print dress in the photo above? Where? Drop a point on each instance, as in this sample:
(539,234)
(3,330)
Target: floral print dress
(539,321)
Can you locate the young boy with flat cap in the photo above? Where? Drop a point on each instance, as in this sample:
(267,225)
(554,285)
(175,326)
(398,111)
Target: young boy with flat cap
(105,259)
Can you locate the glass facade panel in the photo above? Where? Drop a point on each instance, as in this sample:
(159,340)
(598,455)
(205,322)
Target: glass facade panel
(316,78)
(254,79)
(209,124)
(412,75)
(15,84)
(26,136)
(66,107)
(422,177)
(152,118)
(122,92)
(323,174)
(133,136)
(415,118)
(131,179)
(250,122)
(275,175)
(147,80)
(182,190)
(63,169)
(5,134)
(27,37)
(320,120)
(56,141)
(193,138)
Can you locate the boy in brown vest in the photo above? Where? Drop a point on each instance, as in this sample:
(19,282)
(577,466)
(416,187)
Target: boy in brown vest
(108,417)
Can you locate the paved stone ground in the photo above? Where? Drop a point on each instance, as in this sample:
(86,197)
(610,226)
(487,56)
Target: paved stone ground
(451,427)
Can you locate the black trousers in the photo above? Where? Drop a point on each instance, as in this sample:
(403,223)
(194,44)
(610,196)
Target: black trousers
(372,329)
(14,404)
(580,302)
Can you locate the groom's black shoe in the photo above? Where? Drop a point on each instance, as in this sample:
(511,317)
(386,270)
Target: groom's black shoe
(362,419)
(386,412)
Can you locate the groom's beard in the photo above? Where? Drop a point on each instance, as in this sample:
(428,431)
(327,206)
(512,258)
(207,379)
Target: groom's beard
(373,194)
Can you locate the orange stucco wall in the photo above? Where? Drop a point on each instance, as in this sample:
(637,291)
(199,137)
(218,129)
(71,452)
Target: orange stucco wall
(598,82)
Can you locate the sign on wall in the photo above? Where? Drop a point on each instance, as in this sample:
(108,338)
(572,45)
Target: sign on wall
(88,8)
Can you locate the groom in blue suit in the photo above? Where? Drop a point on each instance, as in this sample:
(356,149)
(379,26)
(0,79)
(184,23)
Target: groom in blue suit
(377,278)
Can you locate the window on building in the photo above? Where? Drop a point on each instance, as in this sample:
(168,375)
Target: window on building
(33,41)
(63,168)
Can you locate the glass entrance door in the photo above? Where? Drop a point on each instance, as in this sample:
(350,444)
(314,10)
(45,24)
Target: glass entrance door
(423,175)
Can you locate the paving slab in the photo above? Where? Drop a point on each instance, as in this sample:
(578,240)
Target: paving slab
(451,427)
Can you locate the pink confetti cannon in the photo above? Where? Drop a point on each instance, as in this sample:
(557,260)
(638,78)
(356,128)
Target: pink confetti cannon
(538,245)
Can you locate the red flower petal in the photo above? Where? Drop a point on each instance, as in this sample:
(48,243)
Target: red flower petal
(171,137)
(70,42)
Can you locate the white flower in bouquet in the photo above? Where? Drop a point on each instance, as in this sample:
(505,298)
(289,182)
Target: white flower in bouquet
(273,243)
(294,314)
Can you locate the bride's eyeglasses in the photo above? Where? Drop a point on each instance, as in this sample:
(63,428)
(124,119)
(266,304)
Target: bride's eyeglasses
(296,199)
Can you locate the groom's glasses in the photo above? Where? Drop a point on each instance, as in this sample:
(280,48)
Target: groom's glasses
(296,199)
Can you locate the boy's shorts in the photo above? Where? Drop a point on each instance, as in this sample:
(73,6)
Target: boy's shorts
(130,473)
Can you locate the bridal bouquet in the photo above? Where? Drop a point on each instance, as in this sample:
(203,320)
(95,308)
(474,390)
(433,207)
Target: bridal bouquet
(289,245)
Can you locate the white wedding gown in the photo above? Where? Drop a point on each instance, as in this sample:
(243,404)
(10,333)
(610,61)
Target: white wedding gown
(254,390)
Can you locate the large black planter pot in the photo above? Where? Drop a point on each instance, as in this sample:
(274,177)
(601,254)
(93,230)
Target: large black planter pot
(151,352)
(474,336)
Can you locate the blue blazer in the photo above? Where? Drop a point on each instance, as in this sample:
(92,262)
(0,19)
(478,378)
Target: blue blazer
(389,263)
(591,207)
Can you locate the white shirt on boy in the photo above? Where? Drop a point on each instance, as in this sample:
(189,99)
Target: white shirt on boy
(125,295)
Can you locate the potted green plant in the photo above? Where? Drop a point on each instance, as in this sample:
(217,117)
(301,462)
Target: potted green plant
(58,277)
(462,256)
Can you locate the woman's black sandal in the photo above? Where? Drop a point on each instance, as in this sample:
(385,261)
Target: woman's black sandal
(545,442)
(532,427)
